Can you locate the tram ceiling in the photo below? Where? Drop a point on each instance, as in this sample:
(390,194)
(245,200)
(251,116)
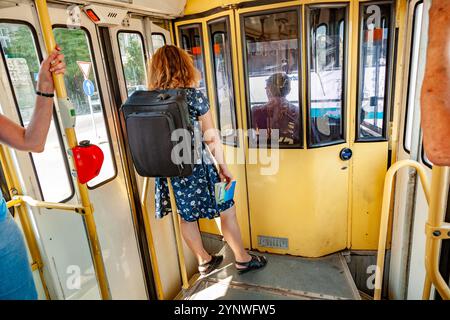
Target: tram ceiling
(169,9)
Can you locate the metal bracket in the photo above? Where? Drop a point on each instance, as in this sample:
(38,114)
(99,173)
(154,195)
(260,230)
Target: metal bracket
(126,21)
(442,232)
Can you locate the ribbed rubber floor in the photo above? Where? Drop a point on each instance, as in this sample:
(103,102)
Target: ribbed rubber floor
(284,277)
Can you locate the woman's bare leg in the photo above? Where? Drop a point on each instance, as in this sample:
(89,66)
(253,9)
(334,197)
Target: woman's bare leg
(191,234)
(232,234)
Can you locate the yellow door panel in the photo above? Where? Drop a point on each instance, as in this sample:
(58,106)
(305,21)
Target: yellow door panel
(369,169)
(305,202)
(210,226)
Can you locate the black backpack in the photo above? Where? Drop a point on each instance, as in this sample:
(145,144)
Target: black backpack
(150,119)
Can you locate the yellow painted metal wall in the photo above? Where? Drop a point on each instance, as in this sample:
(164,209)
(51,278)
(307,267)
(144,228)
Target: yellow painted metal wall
(196,6)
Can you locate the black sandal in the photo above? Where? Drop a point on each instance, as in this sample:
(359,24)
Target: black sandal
(211,265)
(255,263)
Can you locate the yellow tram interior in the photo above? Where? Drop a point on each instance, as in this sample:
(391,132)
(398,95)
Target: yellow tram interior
(345,208)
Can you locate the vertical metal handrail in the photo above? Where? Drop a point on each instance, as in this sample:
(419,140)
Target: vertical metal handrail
(67,113)
(151,244)
(436,230)
(385,214)
(178,239)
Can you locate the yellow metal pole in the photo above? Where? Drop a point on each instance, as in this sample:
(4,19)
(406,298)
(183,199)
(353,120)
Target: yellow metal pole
(385,213)
(439,191)
(68,120)
(176,225)
(426,288)
(151,244)
(14,186)
(42,204)
(14,203)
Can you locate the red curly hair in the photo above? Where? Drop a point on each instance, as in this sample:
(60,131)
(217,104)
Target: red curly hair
(172,67)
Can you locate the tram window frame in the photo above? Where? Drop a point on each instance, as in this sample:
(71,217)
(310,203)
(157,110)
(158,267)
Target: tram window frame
(55,120)
(345,73)
(298,10)
(143,51)
(424,157)
(225,140)
(202,43)
(411,53)
(102,100)
(158,34)
(389,81)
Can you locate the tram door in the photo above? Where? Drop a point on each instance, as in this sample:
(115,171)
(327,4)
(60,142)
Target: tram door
(297,179)
(132,45)
(68,265)
(316,151)
(311,92)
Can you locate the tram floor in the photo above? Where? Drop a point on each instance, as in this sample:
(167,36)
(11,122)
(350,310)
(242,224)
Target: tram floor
(283,278)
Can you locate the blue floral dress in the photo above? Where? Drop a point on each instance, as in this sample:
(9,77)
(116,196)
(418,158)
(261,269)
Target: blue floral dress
(194,195)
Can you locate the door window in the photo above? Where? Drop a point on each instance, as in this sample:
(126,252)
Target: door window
(373,71)
(158,40)
(133,61)
(22,61)
(85,95)
(326,83)
(272,49)
(223,79)
(192,42)
(412,81)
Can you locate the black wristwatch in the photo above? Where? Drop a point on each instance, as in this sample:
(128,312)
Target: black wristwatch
(45,94)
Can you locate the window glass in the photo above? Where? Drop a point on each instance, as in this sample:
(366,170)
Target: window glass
(223,80)
(191,41)
(133,61)
(90,120)
(374,64)
(326,75)
(19,50)
(158,40)
(411,103)
(272,55)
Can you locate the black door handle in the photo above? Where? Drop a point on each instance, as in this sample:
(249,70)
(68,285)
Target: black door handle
(346,154)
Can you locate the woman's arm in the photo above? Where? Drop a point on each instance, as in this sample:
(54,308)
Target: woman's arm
(33,137)
(212,139)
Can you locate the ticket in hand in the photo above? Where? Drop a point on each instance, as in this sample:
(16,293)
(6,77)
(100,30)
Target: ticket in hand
(222,194)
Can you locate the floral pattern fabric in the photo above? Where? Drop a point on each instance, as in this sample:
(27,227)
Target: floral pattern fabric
(194,195)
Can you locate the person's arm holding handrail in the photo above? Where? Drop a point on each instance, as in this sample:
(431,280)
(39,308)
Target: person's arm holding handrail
(435,95)
(32,138)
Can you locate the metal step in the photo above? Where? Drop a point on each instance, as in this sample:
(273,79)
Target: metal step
(284,277)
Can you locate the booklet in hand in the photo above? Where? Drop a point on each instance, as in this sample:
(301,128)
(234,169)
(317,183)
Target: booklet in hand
(222,194)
